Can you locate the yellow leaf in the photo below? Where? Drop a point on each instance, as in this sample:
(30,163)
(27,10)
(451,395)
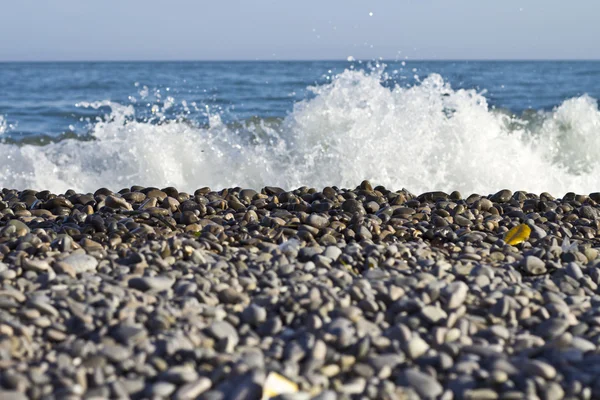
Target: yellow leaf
(518,234)
(276,384)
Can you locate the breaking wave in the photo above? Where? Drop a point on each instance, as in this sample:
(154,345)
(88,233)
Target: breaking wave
(426,137)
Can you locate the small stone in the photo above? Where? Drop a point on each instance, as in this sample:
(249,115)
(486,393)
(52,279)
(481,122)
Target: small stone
(540,368)
(588,212)
(574,271)
(456,294)
(332,252)
(36,265)
(416,347)
(56,335)
(502,196)
(130,334)
(116,353)
(552,328)
(179,374)
(157,283)
(433,314)
(353,206)
(193,389)
(462,221)
(91,245)
(500,331)
(117,203)
(232,296)
(20,227)
(81,263)
(12,395)
(224,331)
(254,315)
(63,268)
(481,394)
(553,391)
(533,265)
(162,389)
(354,386)
(425,385)
(317,221)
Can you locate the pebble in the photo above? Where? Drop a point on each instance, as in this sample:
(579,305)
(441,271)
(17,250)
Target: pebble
(456,294)
(416,347)
(533,265)
(540,368)
(365,292)
(254,314)
(224,331)
(158,283)
(193,389)
(425,385)
(81,263)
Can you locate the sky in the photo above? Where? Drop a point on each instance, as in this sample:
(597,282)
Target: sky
(69,30)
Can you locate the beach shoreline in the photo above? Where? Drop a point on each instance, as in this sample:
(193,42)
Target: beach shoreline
(332,293)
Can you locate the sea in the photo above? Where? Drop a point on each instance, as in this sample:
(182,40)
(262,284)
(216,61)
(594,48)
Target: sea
(471,126)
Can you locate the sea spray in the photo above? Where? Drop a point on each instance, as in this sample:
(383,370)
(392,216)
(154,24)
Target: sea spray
(424,137)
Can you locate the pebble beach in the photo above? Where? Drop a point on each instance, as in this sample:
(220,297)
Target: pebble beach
(358,293)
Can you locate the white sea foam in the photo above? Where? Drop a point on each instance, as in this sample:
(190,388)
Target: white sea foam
(428,137)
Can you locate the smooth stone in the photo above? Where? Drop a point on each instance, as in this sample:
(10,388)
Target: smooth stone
(540,368)
(193,389)
(180,374)
(502,196)
(533,265)
(118,203)
(130,334)
(232,296)
(162,389)
(353,206)
(19,226)
(481,394)
(223,330)
(433,314)
(416,347)
(425,385)
(317,221)
(574,270)
(12,395)
(456,294)
(36,265)
(254,314)
(332,252)
(116,353)
(157,283)
(81,263)
(552,328)
(553,391)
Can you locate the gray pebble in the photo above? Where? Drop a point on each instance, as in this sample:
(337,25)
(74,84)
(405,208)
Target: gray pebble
(157,283)
(425,385)
(533,265)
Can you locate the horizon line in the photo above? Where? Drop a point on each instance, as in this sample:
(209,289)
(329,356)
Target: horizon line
(357,60)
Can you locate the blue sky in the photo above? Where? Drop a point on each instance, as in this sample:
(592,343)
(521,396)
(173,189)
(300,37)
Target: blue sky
(308,29)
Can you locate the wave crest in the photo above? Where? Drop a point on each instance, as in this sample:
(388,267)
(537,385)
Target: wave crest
(426,137)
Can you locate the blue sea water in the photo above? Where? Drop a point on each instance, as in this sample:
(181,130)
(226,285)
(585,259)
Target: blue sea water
(467,125)
(41,98)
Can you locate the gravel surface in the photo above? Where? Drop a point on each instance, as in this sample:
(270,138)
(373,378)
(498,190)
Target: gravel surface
(339,294)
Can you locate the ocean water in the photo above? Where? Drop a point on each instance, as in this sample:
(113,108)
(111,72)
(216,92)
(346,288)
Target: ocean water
(476,127)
